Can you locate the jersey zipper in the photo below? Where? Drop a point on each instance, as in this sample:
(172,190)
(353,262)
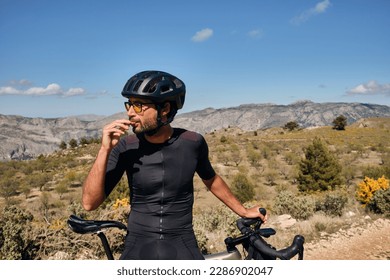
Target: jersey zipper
(162,196)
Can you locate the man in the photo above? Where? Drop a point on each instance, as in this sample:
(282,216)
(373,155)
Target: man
(160,162)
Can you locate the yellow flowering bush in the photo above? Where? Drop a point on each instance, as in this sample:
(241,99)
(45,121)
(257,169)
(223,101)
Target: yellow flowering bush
(124,202)
(369,186)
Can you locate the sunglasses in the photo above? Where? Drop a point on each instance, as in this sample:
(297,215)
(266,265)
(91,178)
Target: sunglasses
(137,106)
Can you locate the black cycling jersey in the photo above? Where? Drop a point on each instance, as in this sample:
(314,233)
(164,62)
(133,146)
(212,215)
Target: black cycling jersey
(161,191)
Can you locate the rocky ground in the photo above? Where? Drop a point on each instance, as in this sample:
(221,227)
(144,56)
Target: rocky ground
(363,241)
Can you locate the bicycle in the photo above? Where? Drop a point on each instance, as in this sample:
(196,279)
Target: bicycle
(252,239)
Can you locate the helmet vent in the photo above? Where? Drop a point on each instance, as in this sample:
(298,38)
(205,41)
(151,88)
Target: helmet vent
(177,83)
(137,85)
(165,89)
(151,86)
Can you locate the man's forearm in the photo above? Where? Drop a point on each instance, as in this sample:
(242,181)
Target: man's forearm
(221,190)
(93,187)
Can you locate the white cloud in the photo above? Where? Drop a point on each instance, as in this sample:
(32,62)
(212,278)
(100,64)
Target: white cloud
(8,91)
(319,8)
(51,89)
(202,35)
(257,33)
(22,82)
(370,88)
(74,91)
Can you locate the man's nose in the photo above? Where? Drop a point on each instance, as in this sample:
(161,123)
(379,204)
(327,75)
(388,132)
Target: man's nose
(131,112)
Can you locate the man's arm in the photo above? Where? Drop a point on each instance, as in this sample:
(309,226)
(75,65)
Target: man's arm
(93,187)
(221,190)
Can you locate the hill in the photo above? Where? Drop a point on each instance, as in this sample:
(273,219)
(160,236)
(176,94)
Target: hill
(26,138)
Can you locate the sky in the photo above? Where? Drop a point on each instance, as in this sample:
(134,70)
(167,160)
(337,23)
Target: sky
(66,57)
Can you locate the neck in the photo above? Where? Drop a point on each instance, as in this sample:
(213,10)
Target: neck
(162,135)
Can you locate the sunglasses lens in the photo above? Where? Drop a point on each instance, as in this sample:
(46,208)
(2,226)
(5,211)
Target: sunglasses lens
(137,107)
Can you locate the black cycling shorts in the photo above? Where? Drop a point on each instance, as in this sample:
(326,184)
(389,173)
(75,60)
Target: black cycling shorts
(182,247)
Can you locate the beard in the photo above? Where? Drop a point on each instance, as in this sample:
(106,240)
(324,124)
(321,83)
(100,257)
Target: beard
(147,126)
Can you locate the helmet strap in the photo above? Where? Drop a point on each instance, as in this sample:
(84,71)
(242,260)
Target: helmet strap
(160,123)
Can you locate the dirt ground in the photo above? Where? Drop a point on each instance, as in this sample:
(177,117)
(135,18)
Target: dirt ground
(367,241)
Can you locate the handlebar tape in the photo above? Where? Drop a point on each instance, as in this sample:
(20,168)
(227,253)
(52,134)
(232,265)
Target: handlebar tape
(283,254)
(244,224)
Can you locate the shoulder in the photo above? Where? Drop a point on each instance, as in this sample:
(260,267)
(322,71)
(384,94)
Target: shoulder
(189,135)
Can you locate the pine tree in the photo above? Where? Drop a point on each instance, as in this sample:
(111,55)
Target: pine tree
(319,170)
(73,143)
(340,123)
(291,125)
(63,145)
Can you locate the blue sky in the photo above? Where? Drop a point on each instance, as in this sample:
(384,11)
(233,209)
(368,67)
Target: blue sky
(61,58)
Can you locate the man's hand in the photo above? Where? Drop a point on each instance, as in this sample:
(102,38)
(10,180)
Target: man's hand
(254,212)
(112,132)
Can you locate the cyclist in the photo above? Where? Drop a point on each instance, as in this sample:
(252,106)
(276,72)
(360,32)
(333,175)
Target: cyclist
(160,162)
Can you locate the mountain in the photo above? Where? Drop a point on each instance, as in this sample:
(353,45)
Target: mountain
(259,116)
(25,138)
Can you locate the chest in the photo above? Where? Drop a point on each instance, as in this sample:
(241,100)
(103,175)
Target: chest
(169,169)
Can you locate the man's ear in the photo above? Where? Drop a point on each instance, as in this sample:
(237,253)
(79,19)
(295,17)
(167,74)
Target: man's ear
(166,109)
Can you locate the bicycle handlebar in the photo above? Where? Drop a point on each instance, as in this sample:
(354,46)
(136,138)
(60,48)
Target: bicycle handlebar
(284,254)
(255,239)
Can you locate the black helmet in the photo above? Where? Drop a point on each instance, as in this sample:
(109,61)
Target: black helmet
(157,86)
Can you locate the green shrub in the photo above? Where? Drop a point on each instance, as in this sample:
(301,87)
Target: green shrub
(380,202)
(224,139)
(376,172)
(332,204)
(218,220)
(242,188)
(15,227)
(299,207)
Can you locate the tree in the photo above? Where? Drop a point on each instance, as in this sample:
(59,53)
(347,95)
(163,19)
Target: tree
(61,188)
(340,123)
(319,170)
(73,143)
(235,154)
(223,155)
(254,156)
(8,188)
(63,145)
(86,141)
(291,126)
